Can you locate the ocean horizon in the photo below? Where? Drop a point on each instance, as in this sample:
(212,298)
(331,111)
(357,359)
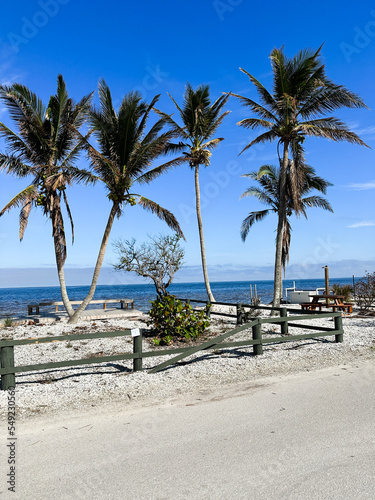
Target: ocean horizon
(14,301)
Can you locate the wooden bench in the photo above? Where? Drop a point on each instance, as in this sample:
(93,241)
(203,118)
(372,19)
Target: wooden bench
(343,307)
(124,304)
(309,306)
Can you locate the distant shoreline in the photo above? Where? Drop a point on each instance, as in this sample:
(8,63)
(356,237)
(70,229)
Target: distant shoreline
(249,281)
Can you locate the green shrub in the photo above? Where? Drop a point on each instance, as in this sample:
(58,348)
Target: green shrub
(8,322)
(171,319)
(345,290)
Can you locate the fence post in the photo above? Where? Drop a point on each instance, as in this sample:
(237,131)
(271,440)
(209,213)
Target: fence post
(257,335)
(338,326)
(284,324)
(137,349)
(208,309)
(7,361)
(240,314)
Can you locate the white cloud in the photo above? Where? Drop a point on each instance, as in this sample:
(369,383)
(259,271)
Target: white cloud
(362,185)
(366,131)
(364,223)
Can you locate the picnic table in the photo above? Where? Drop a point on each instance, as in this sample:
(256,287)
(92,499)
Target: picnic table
(327,300)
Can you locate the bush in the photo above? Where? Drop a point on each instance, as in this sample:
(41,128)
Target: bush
(365,291)
(171,319)
(345,290)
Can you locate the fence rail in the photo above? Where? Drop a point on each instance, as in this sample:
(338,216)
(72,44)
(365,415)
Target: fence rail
(7,346)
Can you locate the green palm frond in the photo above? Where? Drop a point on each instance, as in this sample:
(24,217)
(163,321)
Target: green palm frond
(47,146)
(23,197)
(152,174)
(330,128)
(268,136)
(265,96)
(162,213)
(13,165)
(250,220)
(253,123)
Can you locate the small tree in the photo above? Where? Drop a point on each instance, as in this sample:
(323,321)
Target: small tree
(158,260)
(365,291)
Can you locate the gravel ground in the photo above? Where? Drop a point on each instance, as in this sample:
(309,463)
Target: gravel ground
(73,388)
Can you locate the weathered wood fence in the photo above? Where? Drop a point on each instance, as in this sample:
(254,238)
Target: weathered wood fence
(8,368)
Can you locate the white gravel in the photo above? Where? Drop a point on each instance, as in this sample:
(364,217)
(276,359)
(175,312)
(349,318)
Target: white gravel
(57,390)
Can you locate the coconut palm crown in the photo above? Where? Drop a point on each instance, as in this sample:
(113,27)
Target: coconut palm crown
(200,120)
(46,148)
(268,176)
(295,108)
(122,161)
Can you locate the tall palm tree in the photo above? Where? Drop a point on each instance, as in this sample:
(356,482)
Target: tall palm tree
(268,193)
(200,120)
(301,96)
(125,153)
(46,148)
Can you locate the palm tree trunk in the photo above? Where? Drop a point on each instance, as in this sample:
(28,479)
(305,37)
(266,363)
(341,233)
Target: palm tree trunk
(61,275)
(201,238)
(98,266)
(278,275)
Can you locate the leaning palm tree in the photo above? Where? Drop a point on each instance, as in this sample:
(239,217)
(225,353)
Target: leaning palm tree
(200,120)
(126,151)
(301,96)
(268,193)
(46,148)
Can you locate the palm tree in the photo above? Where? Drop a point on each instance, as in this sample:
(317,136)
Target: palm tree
(302,94)
(46,148)
(268,177)
(200,120)
(126,152)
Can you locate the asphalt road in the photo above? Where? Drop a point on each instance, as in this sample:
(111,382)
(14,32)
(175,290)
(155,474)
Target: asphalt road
(307,436)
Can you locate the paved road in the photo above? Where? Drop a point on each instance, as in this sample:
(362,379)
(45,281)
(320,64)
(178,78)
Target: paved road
(309,436)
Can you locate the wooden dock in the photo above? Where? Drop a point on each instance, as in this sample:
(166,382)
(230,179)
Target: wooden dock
(87,315)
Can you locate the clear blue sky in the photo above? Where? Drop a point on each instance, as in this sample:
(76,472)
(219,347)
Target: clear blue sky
(156,47)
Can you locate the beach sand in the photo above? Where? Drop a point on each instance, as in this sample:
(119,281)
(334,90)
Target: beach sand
(102,385)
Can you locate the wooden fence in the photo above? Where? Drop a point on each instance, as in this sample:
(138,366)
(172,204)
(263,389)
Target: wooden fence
(8,368)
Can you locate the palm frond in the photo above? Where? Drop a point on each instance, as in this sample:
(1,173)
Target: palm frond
(23,197)
(256,108)
(12,165)
(250,220)
(265,96)
(24,217)
(268,136)
(330,128)
(162,213)
(149,176)
(69,214)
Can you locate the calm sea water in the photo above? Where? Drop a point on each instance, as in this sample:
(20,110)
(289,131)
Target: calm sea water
(14,301)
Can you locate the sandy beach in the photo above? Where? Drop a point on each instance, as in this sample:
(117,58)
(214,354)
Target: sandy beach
(67,389)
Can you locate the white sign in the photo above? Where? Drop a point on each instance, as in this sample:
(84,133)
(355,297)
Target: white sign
(135,332)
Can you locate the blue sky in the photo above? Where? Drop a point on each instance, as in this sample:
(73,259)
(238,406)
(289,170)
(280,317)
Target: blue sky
(156,47)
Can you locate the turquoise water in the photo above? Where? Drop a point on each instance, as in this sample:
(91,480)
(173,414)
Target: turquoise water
(14,301)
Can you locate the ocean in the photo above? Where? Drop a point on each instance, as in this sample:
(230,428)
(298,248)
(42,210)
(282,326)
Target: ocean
(14,301)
